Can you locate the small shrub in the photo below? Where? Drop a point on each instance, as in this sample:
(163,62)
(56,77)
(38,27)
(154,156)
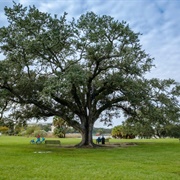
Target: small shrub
(4,129)
(42,133)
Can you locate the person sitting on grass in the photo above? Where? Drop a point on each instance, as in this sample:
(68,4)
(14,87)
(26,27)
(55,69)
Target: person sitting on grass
(98,140)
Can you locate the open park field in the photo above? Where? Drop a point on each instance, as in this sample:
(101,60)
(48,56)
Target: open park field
(150,159)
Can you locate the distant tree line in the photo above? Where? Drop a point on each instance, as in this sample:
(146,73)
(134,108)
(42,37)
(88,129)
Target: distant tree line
(129,131)
(21,128)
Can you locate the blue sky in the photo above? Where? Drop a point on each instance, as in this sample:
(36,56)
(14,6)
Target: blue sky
(157,20)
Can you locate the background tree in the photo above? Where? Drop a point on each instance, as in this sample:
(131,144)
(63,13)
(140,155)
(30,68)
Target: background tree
(46,127)
(82,71)
(172,130)
(30,131)
(4,129)
(122,131)
(117,132)
(142,130)
(42,133)
(61,127)
(9,124)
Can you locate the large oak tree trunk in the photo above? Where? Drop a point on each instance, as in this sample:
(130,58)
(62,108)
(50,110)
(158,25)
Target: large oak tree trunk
(87,137)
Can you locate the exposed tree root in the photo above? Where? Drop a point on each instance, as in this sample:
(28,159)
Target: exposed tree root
(91,145)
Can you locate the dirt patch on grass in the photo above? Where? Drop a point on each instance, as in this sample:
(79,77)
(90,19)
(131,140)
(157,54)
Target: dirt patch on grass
(110,145)
(128,144)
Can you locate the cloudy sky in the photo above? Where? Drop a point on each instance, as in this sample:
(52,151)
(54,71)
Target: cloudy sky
(157,20)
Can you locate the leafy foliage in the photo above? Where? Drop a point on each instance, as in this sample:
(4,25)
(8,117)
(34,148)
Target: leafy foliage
(117,132)
(3,129)
(148,129)
(122,132)
(31,129)
(61,127)
(41,133)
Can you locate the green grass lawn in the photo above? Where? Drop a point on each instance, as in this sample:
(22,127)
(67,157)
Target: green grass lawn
(153,159)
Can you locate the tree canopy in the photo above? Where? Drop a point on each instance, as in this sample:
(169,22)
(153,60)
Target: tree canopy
(81,70)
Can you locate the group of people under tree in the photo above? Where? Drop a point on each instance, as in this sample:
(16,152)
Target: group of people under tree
(100,140)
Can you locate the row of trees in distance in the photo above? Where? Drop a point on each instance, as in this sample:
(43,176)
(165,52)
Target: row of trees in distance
(129,131)
(10,127)
(126,130)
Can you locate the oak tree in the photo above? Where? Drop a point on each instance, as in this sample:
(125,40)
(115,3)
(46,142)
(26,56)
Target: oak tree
(81,70)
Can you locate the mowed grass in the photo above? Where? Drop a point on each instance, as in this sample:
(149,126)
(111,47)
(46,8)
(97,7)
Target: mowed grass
(153,159)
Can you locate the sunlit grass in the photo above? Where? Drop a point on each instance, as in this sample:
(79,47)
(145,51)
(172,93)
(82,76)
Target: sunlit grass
(148,159)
